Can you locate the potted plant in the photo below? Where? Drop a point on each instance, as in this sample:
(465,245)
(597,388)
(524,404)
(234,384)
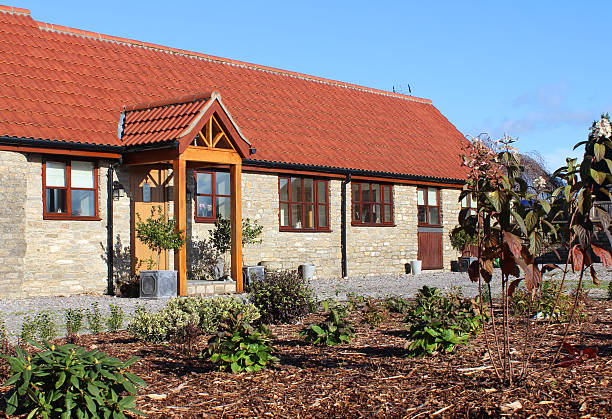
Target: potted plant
(158,234)
(221,237)
(461,242)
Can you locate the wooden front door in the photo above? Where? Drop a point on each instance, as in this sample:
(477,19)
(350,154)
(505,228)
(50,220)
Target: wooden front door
(430,248)
(148,189)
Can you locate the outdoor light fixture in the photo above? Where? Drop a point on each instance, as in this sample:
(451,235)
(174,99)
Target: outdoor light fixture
(118,190)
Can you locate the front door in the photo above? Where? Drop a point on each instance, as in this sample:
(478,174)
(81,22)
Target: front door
(148,189)
(430,248)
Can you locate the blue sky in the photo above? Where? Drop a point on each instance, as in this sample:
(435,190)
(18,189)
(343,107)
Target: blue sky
(539,71)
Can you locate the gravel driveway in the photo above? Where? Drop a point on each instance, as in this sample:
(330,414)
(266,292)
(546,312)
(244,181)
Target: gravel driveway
(14,310)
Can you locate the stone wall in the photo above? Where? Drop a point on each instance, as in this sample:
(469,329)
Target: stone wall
(13,189)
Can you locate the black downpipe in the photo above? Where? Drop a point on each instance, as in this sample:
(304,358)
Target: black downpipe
(109,229)
(343,225)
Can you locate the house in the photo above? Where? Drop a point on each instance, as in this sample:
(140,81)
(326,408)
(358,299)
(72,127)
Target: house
(95,130)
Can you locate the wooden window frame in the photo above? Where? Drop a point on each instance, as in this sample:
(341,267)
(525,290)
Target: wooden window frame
(213,195)
(315,204)
(468,201)
(427,206)
(381,203)
(68,175)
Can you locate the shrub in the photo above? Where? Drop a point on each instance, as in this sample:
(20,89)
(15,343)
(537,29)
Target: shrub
(204,258)
(440,323)
(5,345)
(373,313)
(207,314)
(545,305)
(28,329)
(459,239)
(335,329)
(354,301)
(187,336)
(159,233)
(115,320)
(610,290)
(397,304)
(94,318)
(74,321)
(69,381)
(281,297)
(45,326)
(238,346)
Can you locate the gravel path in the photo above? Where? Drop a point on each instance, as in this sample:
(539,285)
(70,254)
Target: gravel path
(14,310)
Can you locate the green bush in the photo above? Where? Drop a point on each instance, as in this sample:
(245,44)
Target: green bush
(238,346)
(94,318)
(5,345)
(159,233)
(610,290)
(115,320)
(545,304)
(281,297)
(397,304)
(459,239)
(74,321)
(207,314)
(45,325)
(335,329)
(68,381)
(373,313)
(438,323)
(28,329)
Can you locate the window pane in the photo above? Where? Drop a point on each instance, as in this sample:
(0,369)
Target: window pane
(204,183)
(222,183)
(420,197)
(83,203)
(432,197)
(284,215)
(434,215)
(473,203)
(308,190)
(284,190)
(55,174)
(365,192)
(296,216)
(322,216)
(387,194)
(366,213)
(82,174)
(56,200)
(356,212)
(375,192)
(387,214)
(204,206)
(422,215)
(464,202)
(296,190)
(321,192)
(309,216)
(376,214)
(355,187)
(223,208)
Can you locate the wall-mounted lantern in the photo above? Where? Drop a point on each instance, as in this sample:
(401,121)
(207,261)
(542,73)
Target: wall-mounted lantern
(118,190)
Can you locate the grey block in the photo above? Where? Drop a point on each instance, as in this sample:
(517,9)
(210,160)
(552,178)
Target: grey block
(158,284)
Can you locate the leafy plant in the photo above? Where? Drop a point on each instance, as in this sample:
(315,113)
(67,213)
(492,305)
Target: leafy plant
(115,320)
(439,323)
(159,233)
(334,330)
(74,321)
(187,336)
(204,258)
(94,318)
(238,346)
(373,313)
(354,301)
(28,330)
(397,304)
(207,314)
(551,302)
(610,290)
(459,239)
(221,235)
(69,381)
(45,325)
(5,345)
(281,297)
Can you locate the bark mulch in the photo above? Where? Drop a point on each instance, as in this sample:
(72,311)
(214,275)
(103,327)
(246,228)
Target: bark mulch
(373,377)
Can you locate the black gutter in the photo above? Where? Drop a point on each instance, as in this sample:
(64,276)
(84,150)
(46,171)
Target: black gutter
(343,225)
(62,145)
(346,172)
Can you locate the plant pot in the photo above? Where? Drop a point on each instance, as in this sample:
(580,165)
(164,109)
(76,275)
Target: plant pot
(454,266)
(158,284)
(465,262)
(307,270)
(415,266)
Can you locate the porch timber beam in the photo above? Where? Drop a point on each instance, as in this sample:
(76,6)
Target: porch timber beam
(207,155)
(150,156)
(180,201)
(236,224)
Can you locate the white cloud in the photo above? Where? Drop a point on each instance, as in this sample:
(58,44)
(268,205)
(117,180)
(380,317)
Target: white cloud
(556,158)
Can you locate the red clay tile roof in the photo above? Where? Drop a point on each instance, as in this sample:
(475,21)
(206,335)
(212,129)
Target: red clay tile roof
(64,84)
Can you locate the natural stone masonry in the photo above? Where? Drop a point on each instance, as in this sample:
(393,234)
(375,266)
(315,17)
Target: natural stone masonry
(51,257)
(13,189)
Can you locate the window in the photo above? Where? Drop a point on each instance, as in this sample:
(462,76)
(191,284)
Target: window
(372,204)
(70,190)
(468,202)
(212,196)
(428,201)
(304,204)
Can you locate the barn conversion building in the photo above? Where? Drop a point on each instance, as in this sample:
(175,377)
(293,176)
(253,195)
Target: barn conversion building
(96,129)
